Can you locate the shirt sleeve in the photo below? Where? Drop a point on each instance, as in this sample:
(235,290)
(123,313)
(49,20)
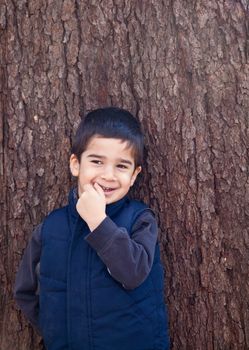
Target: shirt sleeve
(26,283)
(128,258)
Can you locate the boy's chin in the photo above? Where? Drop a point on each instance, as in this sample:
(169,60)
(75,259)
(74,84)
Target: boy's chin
(109,201)
(113,200)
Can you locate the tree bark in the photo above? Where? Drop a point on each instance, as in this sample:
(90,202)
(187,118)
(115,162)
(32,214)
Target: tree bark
(182,68)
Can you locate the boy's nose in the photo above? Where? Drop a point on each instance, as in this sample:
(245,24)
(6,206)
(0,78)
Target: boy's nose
(108,173)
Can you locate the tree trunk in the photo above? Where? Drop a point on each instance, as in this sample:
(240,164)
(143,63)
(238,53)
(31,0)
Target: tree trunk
(182,68)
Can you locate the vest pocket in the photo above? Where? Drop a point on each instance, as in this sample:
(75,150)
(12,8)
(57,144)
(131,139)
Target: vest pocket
(126,320)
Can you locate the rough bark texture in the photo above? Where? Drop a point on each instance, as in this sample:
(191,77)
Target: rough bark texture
(182,68)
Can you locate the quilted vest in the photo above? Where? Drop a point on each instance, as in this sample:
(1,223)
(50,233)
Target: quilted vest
(81,306)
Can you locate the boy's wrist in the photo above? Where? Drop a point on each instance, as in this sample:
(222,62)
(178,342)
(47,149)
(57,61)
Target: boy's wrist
(94,223)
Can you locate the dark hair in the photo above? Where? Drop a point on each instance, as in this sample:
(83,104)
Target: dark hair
(110,122)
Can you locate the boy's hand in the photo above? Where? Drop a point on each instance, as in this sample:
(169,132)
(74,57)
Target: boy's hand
(91,205)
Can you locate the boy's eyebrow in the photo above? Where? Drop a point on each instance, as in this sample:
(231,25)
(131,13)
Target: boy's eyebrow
(121,160)
(125,161)
(95,156)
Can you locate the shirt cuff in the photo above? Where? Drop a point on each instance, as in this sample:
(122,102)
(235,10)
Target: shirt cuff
(102,235)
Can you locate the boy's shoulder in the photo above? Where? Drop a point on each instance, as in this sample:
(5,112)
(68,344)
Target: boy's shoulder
(134,212)
(136,203)
(56,212)
(57,217)
(137,207)
(55,225)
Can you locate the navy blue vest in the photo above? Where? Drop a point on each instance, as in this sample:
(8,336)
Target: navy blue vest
(81,306)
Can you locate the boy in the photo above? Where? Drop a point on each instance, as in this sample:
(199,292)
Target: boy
(100,276)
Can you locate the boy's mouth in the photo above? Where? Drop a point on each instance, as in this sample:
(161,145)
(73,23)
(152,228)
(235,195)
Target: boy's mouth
(107,189)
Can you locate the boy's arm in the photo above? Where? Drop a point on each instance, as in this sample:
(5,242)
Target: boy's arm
(128,258)
(26,283)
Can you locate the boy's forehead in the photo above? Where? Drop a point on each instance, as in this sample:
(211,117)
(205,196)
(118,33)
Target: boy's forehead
(98,141)
(109,145)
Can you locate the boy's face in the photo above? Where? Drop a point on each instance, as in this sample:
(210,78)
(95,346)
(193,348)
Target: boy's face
(110,163)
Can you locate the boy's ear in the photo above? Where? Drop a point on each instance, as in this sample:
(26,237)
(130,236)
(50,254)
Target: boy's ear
(135,174)
(74,165)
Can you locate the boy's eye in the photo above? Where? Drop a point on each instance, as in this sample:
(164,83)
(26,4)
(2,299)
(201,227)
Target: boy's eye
(122,166)
(96,161)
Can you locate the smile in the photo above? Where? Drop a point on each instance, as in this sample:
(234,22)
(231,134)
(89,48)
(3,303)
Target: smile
(107,189)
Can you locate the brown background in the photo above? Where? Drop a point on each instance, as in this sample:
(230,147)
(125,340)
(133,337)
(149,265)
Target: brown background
(182,68)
